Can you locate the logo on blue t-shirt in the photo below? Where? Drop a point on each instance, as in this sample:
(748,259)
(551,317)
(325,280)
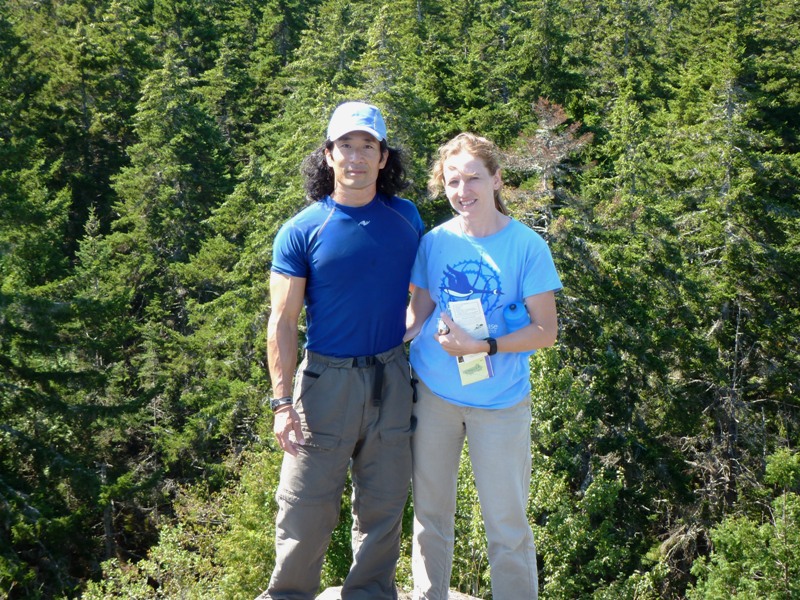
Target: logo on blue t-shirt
(471,279)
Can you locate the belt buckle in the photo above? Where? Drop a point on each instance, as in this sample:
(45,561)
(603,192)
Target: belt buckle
(361,362)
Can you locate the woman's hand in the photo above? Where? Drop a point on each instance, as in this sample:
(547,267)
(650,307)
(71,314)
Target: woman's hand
(457,342)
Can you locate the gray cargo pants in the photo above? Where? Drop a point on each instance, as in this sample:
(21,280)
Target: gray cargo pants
(356,413)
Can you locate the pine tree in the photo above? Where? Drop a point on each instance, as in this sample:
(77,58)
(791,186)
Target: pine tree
(87,59)
(712,156)
(131,297)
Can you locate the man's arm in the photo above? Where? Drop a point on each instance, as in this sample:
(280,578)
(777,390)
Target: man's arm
(286,296)
(419,308)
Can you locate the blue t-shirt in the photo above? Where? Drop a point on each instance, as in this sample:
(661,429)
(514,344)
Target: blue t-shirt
(357,264)
(500,269)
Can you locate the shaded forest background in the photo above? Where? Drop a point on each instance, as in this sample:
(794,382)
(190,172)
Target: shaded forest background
(150,149)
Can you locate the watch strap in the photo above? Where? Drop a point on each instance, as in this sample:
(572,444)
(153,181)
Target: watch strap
(276,403)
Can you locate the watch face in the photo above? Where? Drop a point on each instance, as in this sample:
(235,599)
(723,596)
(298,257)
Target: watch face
(276,403)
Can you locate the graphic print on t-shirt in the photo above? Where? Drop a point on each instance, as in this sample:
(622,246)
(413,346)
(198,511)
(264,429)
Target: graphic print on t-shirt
(471,279)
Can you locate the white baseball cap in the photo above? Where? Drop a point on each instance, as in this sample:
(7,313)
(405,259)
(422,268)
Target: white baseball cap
(356,116)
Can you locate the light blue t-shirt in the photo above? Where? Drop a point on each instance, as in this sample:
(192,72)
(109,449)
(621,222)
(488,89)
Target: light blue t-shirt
(357,264)
(500,269)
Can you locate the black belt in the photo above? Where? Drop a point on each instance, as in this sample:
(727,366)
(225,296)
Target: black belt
(363,362)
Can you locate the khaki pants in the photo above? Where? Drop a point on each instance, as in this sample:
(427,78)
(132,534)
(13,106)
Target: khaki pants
(500,452)
(345,427)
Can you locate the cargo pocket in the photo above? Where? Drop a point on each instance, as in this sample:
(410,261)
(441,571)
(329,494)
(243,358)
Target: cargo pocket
(321,416)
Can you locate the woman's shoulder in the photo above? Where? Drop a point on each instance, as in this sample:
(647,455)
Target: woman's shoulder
(449,227)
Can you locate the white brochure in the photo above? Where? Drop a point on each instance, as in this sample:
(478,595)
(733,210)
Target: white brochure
(468,314)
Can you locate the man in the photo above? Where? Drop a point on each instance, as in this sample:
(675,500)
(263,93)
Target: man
(348,259)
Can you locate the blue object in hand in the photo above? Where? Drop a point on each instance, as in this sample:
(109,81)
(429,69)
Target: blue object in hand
(516,317)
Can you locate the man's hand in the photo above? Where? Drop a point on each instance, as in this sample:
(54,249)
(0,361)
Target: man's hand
(287,421)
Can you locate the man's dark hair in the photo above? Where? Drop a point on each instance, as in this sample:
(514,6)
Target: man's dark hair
(319,176)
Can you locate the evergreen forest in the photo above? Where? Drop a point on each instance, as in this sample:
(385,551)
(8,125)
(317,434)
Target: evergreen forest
(149,152)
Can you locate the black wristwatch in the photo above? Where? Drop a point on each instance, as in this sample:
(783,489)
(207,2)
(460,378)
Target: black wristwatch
(276,403)
(492,345)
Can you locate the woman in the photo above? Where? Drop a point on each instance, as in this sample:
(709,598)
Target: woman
(481,253)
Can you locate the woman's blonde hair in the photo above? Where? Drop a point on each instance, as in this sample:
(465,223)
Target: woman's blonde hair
(479,147)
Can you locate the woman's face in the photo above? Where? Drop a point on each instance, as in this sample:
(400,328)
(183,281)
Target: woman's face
(469,186)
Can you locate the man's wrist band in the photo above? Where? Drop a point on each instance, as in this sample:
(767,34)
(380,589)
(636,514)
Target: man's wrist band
(492,345)
(276,403)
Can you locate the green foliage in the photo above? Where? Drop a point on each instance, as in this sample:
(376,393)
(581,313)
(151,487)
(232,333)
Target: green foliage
(751,559)
(783,470)
(584,532)
(221,546)
(150,150)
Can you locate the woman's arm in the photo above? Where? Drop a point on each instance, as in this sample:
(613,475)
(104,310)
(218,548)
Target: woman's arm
(540,333)
(542,330)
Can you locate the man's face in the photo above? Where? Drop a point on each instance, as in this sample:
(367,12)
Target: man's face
(356,159)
